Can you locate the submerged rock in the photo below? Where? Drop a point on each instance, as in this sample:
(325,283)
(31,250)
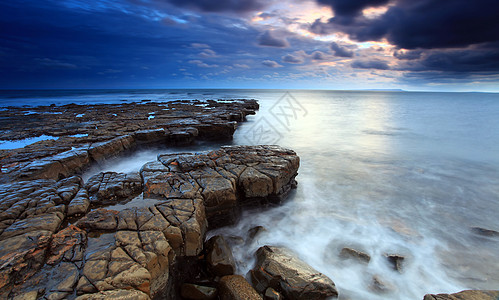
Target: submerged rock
(485,232)
(280,269)
(396,261)
(465,295)
(349,253)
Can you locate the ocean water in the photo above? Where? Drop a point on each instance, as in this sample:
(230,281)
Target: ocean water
(406,173)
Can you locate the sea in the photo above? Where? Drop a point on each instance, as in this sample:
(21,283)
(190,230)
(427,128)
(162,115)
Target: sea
(413,174)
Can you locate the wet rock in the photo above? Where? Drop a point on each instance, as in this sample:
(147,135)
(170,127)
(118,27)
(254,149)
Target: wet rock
(104,150)
(235,287)
(396,261)
(219,256)
(465,295)
(271,294)
(360,256)
(281,270)
(255,232)
(183,191)
(109,187)
(99,220)
(198,292)
(68,188)
(138,261)
(116,294)
(80,204)
(227,180)
(68,245)
(379,285)
(21,256)
(45,222)
(485,232)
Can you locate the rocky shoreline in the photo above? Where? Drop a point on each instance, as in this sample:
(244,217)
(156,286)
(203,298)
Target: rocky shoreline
(63,238)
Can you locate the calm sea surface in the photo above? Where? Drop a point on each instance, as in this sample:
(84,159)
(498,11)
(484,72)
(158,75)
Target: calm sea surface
(404,173)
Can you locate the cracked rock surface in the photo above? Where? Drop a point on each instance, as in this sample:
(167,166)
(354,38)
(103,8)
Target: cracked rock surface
(52,232)
(84,134)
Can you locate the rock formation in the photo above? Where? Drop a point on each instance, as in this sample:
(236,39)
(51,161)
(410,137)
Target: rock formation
(43,256)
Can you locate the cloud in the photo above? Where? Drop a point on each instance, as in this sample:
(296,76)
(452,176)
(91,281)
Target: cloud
(373,63)
(242,66)
(480,60)
(341,51)
(54,63)
(293,59)
(348,8)
(208,53)
(407,55)
(268,39)
(271,64)
(237,6)
(318,55)
(410,24)
(199,45)
(201,64)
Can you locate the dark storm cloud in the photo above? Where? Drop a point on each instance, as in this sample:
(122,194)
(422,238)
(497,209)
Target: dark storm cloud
(433,37)
(413,24)
(269,39)
(407,55)
(479,60)
(370,64)
(346,8)
(341,51)
(238,6)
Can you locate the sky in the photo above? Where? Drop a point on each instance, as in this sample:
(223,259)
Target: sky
(441,45)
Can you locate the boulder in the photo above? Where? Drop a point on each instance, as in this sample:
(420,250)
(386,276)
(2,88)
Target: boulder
(219,256)
(280,269)
(235,287)
(465,295)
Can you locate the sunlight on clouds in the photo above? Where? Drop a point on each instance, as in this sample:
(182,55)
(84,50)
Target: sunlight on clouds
(374,12)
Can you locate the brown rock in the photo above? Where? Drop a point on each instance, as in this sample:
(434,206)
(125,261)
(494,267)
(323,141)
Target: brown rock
(116,294)
(355,254)
(21,256)
(271,294)
(219,256)
(281,270)
(465,295)
(235,287)
(380,285)
(109,187)
(80,204)
(68,245)
(99,220)
(396,261)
